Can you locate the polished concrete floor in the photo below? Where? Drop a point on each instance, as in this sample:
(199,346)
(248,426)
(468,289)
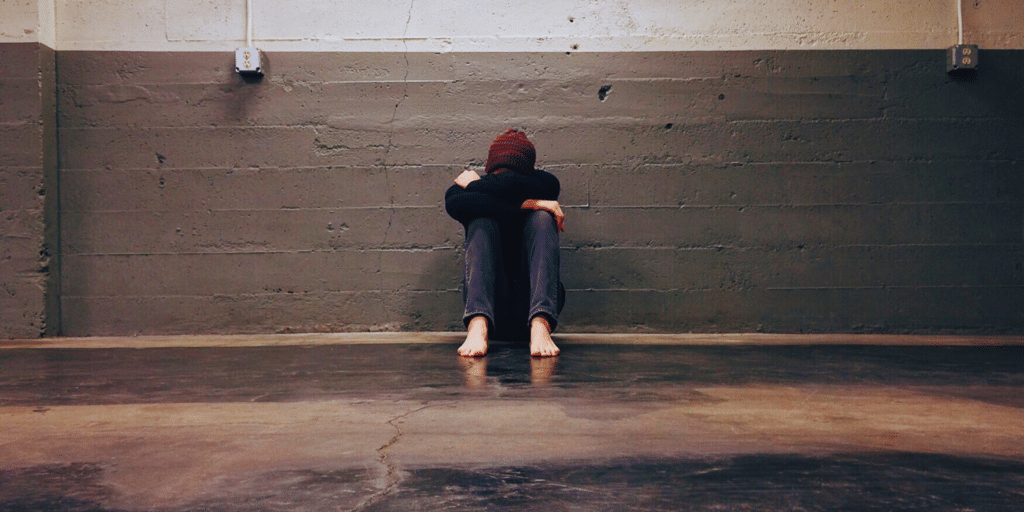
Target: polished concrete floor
(617,422)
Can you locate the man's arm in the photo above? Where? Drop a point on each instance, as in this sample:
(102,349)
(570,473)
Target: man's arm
(516,187)
(501,195)
(549,206)
(465,205)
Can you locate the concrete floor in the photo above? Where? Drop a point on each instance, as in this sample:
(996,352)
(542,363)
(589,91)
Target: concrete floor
(617,422)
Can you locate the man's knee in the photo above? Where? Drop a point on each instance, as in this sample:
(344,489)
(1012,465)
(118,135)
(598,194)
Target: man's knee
(540,221)
(482,224)
(484,230)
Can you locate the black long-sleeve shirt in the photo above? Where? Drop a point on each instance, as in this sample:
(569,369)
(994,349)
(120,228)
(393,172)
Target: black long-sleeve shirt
(499,195)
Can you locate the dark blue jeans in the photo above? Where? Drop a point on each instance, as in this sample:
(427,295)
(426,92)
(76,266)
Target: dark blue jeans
(512,274)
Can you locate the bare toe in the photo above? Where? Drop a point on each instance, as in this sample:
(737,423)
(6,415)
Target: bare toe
(544,349)
(473,348)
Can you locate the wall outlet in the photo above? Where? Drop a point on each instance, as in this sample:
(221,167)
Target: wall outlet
(961,57)
(249,61)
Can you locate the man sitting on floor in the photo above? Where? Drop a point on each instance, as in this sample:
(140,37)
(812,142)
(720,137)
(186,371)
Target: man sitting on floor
(511,288)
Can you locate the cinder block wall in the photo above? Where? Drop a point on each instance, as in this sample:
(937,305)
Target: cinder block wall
(777,191)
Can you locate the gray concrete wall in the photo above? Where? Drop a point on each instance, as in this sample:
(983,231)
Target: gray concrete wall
(27,159)
(776,191)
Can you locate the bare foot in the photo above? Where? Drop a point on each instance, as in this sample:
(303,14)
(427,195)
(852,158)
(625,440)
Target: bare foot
(541,344)
(476,339)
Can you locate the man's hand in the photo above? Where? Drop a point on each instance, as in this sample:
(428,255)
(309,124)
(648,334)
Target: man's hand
(549,206)
(463,180)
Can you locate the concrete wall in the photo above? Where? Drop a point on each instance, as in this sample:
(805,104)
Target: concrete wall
(728,166)
(707,191)
(28,170)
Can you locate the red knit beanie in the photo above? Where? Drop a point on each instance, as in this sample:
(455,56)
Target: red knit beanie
(512,150)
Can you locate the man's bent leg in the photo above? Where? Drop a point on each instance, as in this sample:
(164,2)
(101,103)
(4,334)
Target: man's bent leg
(543,260)
(483,267)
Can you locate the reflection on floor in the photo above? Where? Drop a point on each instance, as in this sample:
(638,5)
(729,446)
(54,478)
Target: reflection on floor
(411,426)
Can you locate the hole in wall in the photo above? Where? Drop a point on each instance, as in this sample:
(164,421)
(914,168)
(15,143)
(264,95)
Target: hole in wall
(668,126)
(602,93)
(575,47)
(721,96)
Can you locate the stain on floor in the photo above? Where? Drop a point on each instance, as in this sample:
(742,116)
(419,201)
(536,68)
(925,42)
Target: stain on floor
(601,427)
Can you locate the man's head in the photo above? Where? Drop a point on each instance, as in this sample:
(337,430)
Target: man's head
(512,150)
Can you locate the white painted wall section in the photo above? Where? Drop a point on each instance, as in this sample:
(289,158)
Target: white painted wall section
(47,10)
(530,25)
(19,21)
(28,21)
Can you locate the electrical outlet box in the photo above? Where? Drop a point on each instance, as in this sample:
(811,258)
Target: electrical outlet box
(961,57)
(249,61)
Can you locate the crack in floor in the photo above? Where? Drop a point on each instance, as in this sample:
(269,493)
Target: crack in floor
(391,470)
